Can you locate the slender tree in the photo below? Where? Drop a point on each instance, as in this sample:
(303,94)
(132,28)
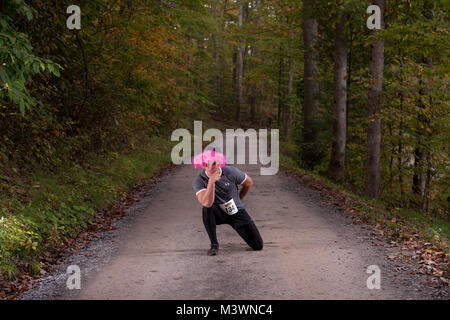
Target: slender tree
(373,169)
(311,88)
(422,165)
(287,116)
(240,69)
(280,80)
(337,162)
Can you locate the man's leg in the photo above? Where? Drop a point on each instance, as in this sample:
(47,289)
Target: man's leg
(209,220)
(250,234)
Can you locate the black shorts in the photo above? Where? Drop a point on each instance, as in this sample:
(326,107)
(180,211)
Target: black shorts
(239,219)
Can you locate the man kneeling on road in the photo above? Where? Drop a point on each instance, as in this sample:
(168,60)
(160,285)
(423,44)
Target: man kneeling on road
(217,191)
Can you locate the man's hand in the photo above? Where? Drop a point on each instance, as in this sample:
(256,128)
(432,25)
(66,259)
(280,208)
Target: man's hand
(215,176)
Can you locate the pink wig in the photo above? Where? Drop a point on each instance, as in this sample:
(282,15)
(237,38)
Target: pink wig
(201,159)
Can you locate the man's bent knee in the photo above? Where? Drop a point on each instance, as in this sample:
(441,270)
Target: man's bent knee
(258,246)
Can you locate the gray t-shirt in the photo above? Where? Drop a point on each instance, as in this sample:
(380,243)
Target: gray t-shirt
(226,188)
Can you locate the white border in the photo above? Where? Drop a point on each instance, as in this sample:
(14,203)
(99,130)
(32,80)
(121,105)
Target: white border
(244,179)
(199,191)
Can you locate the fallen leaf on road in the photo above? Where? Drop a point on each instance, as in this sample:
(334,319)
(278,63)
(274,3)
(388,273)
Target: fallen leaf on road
(445,280)
(438,273)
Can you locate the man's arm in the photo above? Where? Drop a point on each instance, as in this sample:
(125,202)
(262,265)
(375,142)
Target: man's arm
(206,197)
(246,187)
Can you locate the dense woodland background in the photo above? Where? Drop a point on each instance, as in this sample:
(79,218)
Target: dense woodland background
(368,109)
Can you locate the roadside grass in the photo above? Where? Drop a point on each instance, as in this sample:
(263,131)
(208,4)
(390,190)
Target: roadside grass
(398,224)
(41,209)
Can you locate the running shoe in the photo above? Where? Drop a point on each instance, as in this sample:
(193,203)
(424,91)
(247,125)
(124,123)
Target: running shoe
(214,250)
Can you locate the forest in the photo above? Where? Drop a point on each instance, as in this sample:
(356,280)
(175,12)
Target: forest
(367,108)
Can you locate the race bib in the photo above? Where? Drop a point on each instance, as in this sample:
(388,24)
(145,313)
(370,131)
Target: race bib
(229,207)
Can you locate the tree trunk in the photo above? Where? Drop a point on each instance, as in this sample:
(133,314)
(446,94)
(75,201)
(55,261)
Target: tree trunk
(234,84)
(261,103)
(419,175)
(259,21)
(400,154)
(422,177)
(214,40)
(391,159)
(426,199)
(253,106)
(280,98)
(337,163)
(349,75)
(373,169)
(240,71)
(253,103)
(287,117)
(311,89)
